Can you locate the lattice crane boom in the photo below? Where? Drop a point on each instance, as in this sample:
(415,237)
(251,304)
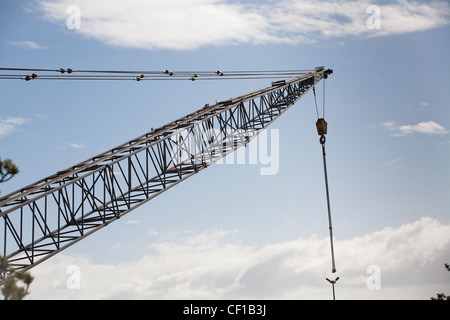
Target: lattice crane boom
(44,218)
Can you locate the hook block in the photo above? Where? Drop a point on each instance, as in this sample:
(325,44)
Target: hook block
(321,125)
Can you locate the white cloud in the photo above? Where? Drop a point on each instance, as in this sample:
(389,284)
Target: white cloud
(426,127)
(211,266)
(116,246)
(404,16)
(429,127)
(77,145)
(27,45)
(392,165)
(393,162)
(133,222)
(9,125)
(185,25)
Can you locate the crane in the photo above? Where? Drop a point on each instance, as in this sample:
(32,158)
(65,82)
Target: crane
(42,219)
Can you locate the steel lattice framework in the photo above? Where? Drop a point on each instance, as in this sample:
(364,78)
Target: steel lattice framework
(48,216)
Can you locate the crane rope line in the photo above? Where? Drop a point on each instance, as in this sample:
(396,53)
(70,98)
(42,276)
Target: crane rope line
(69,70)
(321,126)
(323,101)
(315,100)
(138,75)
(101,78)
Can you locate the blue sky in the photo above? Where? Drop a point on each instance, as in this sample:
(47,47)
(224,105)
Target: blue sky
(231,232)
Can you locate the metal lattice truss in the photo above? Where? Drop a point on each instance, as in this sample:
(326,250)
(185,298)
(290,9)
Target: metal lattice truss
(48,216)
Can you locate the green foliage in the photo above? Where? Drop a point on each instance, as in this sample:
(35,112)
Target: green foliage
(7,170)
(14,284)
(442,296)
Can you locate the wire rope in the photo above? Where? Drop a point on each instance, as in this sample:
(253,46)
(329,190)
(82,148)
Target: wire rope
(74,74)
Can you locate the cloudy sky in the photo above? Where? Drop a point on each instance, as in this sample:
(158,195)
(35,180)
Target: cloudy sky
(231,232)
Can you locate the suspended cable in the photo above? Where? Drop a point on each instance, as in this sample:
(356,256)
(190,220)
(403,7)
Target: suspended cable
(321,126)
(70,70)
(128,78)
(315,100)
(333,264)
(323,108)
(138,75)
